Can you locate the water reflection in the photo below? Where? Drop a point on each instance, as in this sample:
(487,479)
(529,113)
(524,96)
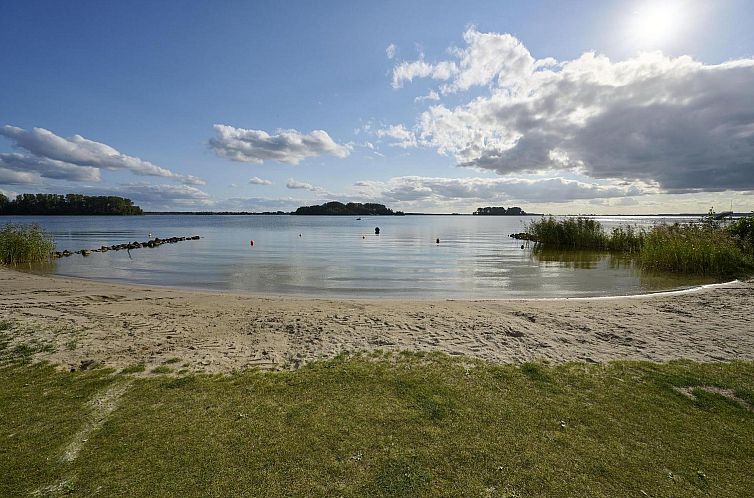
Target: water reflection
(582,259)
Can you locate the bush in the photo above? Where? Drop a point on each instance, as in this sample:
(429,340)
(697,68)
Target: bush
(743,230)
(24,244)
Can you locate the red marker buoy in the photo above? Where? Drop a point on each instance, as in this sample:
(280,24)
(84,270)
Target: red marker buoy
(251,242)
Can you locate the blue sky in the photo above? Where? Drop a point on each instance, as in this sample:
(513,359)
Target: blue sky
(144,83)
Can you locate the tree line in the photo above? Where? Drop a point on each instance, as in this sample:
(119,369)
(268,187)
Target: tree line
(350,209)
(68,204)
(500,211)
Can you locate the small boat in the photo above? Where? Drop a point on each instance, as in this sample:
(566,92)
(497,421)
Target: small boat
(358,219)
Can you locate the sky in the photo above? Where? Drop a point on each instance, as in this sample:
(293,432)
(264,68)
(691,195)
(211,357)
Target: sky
(604,107)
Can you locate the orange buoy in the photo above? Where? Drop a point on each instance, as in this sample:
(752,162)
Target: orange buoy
(252,243)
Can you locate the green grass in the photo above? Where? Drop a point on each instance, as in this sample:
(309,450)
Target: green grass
(705,249)
(404,425)
(24,244)
(137,368)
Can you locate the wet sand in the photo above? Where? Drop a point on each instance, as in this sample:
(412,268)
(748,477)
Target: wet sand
(120,325)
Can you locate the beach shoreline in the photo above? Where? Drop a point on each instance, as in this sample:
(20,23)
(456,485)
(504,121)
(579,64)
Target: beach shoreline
(119,325)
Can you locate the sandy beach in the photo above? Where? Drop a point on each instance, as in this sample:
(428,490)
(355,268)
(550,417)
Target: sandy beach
(120,325)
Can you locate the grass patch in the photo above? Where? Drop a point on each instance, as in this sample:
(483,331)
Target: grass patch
(162,369)
(19,351)
(410,425)
(693,248)
(137,368)
(24,244)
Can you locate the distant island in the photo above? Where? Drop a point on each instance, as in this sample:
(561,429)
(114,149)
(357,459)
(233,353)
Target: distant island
(69,204)
(500,211)
(351,209)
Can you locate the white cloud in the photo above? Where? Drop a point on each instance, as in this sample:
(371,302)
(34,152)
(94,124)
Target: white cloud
(294,184)
(403,138)
(30,169)
(255,180)
(182,195)
(390,51)
(10,177)
(76,158)
(285,146)
(407,71)
(673,122)
(432,95)
(549,190)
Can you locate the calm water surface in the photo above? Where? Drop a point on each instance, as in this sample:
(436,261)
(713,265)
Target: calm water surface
(341,256)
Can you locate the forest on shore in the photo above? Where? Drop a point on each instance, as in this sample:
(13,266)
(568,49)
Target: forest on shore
(68,204)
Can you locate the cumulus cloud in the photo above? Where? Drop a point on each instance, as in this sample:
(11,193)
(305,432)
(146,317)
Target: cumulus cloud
(77,158)
(390,51)
(677,123)
(285,146)
(296,185)
(403,138)
(255,180)
(555,190)
(407,71)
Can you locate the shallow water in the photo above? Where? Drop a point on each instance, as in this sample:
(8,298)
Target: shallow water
(341,256)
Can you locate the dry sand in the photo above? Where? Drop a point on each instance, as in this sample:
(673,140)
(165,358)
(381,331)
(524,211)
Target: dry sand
(121,325)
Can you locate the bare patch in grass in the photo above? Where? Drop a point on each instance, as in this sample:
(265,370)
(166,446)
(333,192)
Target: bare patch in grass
(688,391)
(102,406)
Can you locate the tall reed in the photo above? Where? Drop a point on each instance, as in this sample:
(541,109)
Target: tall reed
(584,233)
(696,249)
(574,233)
(693,248)
(24,244)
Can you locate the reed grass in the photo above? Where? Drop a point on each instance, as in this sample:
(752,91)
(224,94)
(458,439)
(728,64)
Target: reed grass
(584,233)
(693,248)
(575,233)
(24,244)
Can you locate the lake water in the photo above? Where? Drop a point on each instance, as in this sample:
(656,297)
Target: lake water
(341,256)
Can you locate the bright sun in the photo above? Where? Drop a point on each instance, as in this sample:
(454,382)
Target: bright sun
(656,23)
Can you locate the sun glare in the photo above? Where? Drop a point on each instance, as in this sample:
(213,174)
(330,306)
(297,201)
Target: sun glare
(655,24)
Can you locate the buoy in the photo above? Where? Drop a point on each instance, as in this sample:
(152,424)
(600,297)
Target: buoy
(437,241)
(363,237)
(251,242)
(299,235)
(522,246)
(377,230)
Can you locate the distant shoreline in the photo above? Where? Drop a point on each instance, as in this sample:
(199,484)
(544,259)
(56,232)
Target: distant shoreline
(248,213)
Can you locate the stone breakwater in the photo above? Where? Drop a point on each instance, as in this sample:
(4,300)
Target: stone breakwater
(523,236)
(156,242)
